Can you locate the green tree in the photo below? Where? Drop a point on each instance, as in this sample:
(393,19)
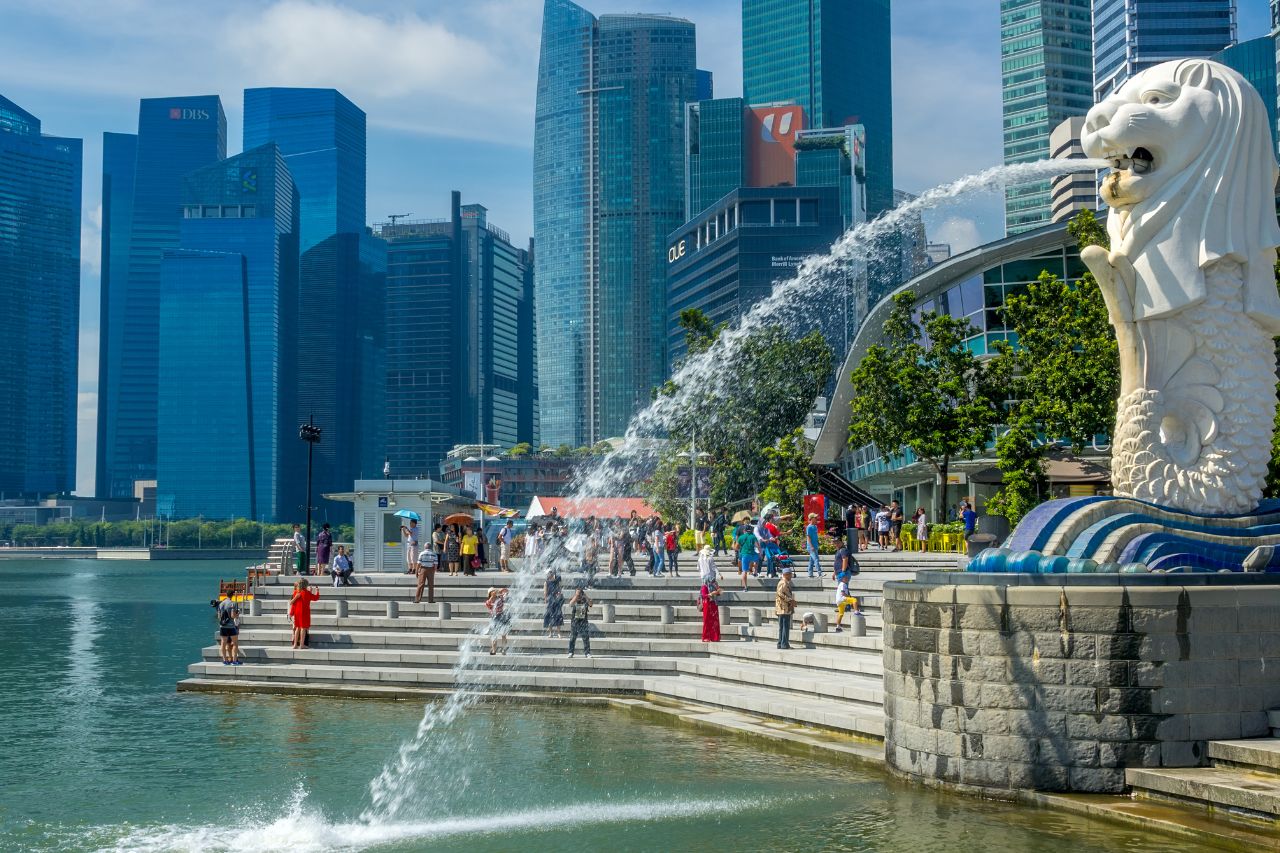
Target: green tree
(765,388)
(924,390)
(790,476)
(520,450)
(1020,455)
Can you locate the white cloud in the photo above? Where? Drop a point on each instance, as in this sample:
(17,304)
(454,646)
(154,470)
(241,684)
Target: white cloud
(305,43)
(86,441)
(962,234)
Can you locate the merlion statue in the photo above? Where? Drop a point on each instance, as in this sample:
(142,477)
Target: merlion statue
(1189,284)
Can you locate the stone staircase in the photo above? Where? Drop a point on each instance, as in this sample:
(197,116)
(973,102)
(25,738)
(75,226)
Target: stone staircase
(827,680)
(1243,780)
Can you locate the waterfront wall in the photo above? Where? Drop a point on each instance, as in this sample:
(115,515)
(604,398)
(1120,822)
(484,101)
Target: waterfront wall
(1060,688)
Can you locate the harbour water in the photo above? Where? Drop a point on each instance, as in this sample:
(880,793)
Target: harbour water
(101,753)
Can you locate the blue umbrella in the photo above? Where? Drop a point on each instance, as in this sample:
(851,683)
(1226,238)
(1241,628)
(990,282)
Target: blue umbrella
(408,513)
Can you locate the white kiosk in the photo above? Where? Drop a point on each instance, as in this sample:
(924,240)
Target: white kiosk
(378,546)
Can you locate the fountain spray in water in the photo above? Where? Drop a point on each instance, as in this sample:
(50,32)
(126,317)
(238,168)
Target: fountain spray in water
(705,379)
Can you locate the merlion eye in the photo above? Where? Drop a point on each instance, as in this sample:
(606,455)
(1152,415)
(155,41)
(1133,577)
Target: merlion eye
(1154,99)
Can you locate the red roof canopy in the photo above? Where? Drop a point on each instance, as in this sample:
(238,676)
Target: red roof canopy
(598,507)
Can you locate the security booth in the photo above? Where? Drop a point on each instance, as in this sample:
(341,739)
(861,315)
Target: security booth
(382,506)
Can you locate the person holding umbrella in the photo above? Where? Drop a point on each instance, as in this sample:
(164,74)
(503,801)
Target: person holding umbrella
(410,536)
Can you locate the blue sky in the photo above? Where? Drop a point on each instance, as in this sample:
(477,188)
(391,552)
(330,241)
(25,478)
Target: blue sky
(448,86)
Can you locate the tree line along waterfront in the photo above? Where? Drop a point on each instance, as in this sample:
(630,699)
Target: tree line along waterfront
(180,533)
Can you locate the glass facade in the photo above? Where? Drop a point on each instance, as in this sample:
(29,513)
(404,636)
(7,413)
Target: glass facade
(119,160)
(460,340)
(833,58)
(715,159)
(728,258)
(40,179)
(226,383)
(338,316)
(1046,65)
(608,188)
(1255,59)
(175,137)
(1132,35)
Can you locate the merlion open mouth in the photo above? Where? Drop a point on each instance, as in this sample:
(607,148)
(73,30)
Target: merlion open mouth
(1139,161)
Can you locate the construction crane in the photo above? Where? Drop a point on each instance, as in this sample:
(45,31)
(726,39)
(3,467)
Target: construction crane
(395,216)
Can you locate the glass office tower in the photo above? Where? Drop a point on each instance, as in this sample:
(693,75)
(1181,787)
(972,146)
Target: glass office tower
(176,136)
(40,294)
(226,342)
(833,58)
(1255,59)
(715,153)
(460,339)
(119,161)
(1046,77)
(608,184)
(1130,35)
(342,279)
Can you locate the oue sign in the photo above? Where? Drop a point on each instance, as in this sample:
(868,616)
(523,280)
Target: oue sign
(676,252)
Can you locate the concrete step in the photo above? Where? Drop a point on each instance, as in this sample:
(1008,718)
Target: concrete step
(767,633)
(498,679)
(376,640)
(688,628)
(826,660)
(833,685)
(1261,754)
(851,718)
(519,659)
(1237,790)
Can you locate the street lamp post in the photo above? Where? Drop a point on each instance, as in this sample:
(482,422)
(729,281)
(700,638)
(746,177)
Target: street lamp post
(310,433)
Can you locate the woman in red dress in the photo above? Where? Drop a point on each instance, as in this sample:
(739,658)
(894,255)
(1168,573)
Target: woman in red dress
(300,612)
(710,611)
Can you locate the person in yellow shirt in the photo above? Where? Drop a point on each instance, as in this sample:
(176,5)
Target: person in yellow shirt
(470,550)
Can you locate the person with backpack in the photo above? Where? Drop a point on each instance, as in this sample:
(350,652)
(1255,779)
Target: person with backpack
(228,614)
(343,567)
(505,535)
(718,525)
(845,600)
(579,625)
(746,544)
(672,543)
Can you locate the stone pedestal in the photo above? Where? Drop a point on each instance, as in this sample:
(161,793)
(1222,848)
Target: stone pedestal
(1061,687)
(255,607)
(754,617)
(340,608)
(393,609)
(667,614)
(445,610)
(610,614)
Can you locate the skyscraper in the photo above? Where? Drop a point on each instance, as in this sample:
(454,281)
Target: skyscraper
(176,136)
(226,343)
(1131,35)
(608,186)
(715,152)
(1255,59)
(40,294)
(461,367)
(833,58)
(338,317)
(1046,77)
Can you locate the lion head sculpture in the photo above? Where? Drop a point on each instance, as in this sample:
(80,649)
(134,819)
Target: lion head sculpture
(1193,180)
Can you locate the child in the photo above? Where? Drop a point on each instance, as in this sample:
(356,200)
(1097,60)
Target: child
(844,601)
(300,612)
(579,607)
(499,619)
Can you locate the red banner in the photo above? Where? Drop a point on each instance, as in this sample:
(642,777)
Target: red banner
(818,504)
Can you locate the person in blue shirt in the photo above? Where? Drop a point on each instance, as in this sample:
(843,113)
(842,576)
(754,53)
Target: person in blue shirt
(811,544)
(970,520)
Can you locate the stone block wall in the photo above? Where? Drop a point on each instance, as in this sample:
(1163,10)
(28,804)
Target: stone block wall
(1061,688)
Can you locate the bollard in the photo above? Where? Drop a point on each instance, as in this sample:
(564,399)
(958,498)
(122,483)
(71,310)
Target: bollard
(724,614)
(744,632)
(667,615)
(610,613)
(342,608)
(819,623)
(754,616)
(858,625)
(445,610)
(393,609)
(255,606)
